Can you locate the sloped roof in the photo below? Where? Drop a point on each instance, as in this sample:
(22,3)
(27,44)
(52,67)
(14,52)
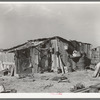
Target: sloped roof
(79,42)
(24,46)
(35,43)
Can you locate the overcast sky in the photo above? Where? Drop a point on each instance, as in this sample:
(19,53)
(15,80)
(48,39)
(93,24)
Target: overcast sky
(22,22)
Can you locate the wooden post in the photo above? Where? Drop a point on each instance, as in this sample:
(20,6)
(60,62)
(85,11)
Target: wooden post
(57,49)
(61,65)
(59,60)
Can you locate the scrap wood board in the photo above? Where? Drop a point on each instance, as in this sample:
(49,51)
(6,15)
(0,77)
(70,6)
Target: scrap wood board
(87,89)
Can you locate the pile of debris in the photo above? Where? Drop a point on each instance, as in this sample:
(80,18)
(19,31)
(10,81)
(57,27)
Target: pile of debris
(61,79)
(80,88)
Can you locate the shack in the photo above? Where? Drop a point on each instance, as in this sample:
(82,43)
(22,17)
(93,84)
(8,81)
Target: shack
(45,54)
(95,55)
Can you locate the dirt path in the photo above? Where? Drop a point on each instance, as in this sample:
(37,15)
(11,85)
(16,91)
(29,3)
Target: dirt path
(44,83)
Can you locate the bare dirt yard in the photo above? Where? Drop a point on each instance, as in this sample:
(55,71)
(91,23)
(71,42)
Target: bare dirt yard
(48,82)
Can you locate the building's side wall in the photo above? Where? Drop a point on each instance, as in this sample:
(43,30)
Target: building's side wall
(34,54)
(22,60)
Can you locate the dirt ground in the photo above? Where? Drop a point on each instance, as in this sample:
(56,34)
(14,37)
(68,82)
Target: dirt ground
(45,83)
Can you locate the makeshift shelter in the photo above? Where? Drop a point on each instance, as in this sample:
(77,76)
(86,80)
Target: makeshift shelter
(95,55)
(39,55)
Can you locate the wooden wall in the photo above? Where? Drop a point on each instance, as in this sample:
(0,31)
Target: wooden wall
(6,57)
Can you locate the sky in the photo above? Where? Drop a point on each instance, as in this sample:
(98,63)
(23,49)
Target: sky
(20,22)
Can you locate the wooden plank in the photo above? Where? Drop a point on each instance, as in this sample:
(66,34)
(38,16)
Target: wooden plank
(88,88)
